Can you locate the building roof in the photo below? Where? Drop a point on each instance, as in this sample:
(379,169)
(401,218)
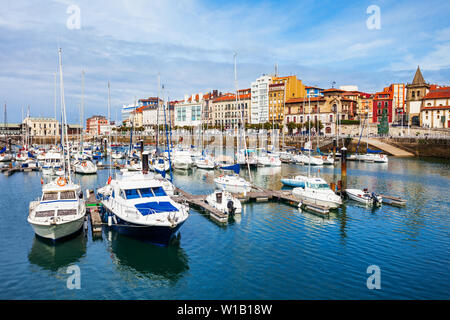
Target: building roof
(418,78)
(306,100)
(436,108)
(439,93)
(333,90)
(232,97)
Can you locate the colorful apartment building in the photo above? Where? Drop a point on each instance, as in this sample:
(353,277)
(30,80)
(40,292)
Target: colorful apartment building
(280,90)
(97,125)
(382,100)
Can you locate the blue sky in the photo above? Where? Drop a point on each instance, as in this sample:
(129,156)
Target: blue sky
(191,44)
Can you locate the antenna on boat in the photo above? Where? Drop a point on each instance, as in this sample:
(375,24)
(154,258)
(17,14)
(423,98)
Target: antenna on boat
(167,135)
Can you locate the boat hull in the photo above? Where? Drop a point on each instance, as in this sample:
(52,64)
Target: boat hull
(154,234)
(293,183)
(58,231)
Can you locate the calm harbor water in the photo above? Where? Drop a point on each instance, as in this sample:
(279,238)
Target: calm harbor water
(273,251)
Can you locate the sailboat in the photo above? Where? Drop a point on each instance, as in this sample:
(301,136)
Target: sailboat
(61,210)
(233,182)
(314,189)
(83,165)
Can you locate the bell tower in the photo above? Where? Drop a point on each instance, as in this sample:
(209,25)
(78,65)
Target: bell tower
(415,92)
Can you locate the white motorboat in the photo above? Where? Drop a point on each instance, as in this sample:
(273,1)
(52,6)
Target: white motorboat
(138,205)
(274,161)
(224,202)
(182,160)
(59,212)
(232,183)
(306,160)
(204,162)
(85,167)
(52,162)
(364,197)
(351,157)
(317,191)
(263,161)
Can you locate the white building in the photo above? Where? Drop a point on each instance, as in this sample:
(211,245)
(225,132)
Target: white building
(435,111)
(260,100)
(189,111)
(42,126)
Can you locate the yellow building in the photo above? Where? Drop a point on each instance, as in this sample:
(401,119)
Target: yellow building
(281,90)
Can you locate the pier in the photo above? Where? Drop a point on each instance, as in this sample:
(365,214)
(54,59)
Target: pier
(92,207)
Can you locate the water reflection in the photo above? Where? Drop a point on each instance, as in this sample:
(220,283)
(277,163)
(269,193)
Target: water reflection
(53,256)
(148,260)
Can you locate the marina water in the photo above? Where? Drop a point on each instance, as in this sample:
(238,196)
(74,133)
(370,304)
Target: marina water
(272,251)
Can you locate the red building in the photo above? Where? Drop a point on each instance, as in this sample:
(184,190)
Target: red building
(95,124)
(382,100)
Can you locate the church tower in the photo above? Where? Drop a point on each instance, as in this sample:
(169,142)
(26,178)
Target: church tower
(415,92)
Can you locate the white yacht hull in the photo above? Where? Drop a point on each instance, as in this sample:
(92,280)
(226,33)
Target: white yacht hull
(57,231)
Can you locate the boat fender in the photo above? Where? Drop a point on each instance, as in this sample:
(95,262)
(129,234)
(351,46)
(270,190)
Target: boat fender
(114,219)
(109,221)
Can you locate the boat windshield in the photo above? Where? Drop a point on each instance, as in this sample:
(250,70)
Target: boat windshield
(145,193)
(47,196)
(67,195)
(317,185)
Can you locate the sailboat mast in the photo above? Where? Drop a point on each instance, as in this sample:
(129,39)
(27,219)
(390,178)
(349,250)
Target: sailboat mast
(63,112)
(109,123)
(55,107)
(242,118)
(309,137)
(82,111)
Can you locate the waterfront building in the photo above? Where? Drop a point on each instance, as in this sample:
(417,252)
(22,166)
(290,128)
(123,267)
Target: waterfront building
(136,117)
(382,100)
(150,111)
(415,92)
(41,127)
(323,108)
(312,91)
(280,89)
(208,103)
(188,112)
(349,88)
(97,125)
(227,112)
(435,110)
(260,99)
(363,103)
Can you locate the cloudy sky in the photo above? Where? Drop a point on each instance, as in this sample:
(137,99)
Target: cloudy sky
(190,43)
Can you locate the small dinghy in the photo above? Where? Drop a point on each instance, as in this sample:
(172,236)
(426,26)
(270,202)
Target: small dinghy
(224,202)
(364,197)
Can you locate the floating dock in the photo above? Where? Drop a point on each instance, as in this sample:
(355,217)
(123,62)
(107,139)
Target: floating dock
(92,206)
(393,201)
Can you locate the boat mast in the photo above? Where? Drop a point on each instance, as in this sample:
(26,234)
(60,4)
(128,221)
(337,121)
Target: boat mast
(63,111)
(242,118)
(82,112)
(157,115)
(109,124)
(55,107)
(309,137)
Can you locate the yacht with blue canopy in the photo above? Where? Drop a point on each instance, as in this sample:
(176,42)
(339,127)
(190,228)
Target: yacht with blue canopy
(139,205)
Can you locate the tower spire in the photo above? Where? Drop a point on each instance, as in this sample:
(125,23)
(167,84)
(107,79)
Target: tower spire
(418,78)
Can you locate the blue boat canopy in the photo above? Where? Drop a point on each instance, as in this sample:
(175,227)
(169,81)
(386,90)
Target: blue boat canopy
(234,167)
(3,150)
(30,154)
(373,151)
(155,207)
